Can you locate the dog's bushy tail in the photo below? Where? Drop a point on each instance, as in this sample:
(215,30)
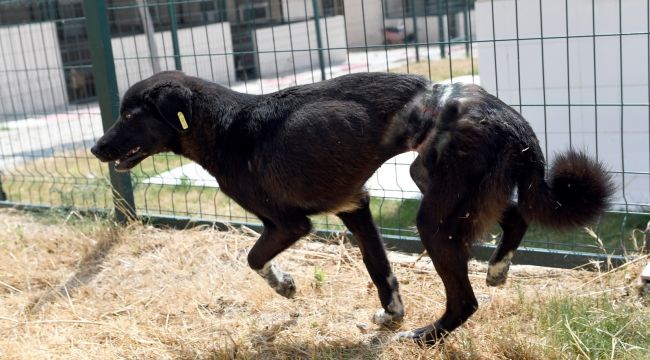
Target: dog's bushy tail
(577,190)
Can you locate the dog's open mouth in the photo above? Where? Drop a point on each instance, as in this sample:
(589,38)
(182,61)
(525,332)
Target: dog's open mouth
(131,159)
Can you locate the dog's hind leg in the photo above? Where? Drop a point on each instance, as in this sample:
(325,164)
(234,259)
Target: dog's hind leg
(514,227)
(360,223)
(276,238)
(447,236)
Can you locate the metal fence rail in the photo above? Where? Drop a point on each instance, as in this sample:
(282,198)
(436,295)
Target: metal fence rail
(578,71)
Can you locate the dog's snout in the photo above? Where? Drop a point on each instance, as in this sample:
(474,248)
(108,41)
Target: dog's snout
(100,150)
(95,150)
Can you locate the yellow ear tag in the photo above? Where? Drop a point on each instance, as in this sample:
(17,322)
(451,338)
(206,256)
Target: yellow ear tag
(181,118)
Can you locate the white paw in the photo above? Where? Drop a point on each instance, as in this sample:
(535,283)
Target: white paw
(498,272)
(381,317)
(387,319)
(404,336)
(280,281)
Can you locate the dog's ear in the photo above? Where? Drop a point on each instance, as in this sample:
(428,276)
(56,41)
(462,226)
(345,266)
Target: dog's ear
(173,102)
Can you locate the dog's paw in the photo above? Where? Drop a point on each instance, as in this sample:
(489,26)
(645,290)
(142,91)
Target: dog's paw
(427,335)
(387,319)
(496,280)
(286,287)
(279,280)
(498,273)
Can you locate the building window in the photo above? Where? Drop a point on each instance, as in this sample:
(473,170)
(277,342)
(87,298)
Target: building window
(255,12)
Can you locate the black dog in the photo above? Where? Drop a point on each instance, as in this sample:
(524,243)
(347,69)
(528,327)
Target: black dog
(310,149)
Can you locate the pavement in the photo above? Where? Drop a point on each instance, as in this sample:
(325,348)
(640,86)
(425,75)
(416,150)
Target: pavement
(42,136)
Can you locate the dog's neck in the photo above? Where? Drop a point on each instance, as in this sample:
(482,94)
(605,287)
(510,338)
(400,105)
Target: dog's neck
(213,121)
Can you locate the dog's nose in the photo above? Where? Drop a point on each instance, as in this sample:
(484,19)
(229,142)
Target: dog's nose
(95,150)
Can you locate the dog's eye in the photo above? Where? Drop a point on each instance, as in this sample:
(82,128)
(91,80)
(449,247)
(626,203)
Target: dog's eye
(128,116)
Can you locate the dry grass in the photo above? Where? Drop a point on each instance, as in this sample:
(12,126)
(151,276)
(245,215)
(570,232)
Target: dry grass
(438,70)
(73,288)
(78,179)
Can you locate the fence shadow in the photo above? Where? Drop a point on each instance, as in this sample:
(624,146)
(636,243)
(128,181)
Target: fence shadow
(88,268)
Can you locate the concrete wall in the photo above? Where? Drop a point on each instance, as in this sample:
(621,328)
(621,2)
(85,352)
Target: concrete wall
(556,74)
(296,9)
(427,27)
(30,71)
(288,48)
(206,51)
(364,22)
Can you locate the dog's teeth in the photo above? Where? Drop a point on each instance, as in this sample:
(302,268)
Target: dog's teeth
(133,151)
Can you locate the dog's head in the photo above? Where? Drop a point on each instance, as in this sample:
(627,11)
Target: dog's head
(153,114)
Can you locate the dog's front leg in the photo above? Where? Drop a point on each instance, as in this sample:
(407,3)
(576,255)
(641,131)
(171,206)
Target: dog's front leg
(273,241)
(360,223)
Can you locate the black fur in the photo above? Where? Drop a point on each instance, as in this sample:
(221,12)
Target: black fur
(310,149)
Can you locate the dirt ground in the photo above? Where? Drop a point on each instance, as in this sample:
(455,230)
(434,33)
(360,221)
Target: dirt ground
(74,288)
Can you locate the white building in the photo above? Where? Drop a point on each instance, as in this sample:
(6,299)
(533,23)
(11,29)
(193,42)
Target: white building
(571,88)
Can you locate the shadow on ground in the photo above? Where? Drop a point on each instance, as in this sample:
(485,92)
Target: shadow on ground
(87,270)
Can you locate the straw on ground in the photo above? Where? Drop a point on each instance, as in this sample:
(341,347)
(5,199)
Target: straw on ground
(80,288)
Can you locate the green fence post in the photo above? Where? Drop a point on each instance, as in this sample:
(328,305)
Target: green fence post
(174,30)
(415,30)
(441,29)
(319,41)
(101,52)
(466,34)
(3,196)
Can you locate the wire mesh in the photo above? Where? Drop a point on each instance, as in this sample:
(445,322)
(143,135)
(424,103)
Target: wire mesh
(47,117)
(578,71)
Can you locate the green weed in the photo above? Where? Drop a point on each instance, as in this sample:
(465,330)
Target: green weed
(597,328)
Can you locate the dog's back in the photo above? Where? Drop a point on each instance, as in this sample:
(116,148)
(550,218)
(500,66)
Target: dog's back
(314,146)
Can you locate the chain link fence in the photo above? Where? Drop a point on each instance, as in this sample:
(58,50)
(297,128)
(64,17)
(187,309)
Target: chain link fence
(577,70)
